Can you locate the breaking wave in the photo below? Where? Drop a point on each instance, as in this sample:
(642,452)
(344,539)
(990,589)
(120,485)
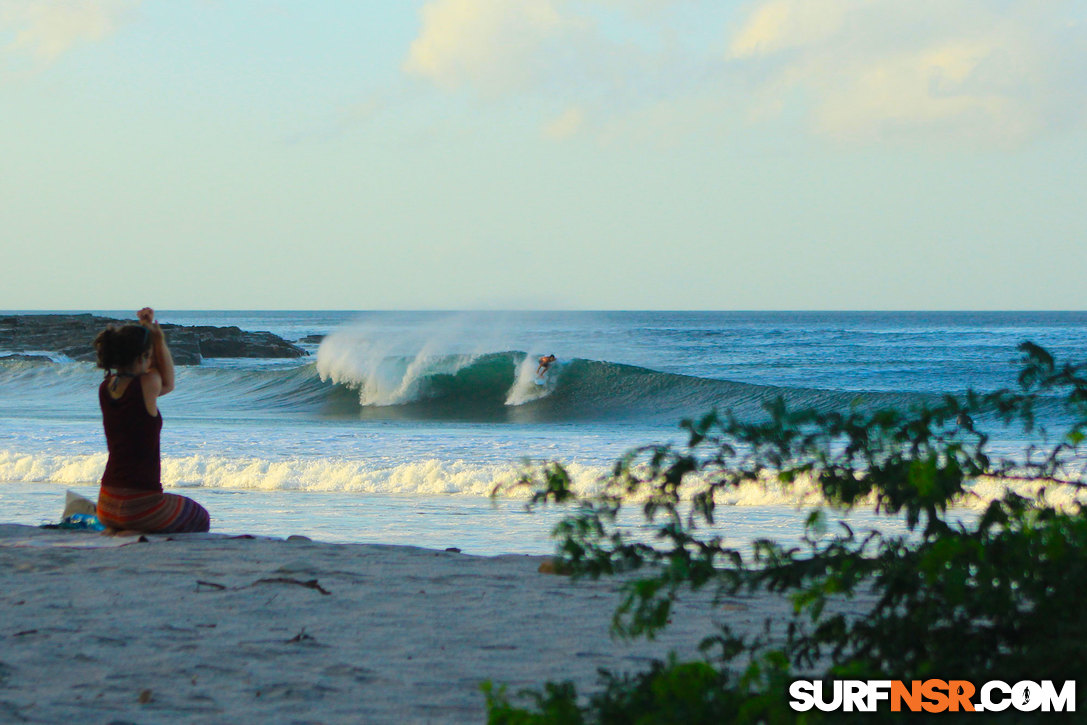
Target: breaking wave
(433,477)
(490,387)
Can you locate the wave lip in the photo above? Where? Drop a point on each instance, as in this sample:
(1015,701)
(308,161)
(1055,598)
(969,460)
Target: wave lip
(385,373)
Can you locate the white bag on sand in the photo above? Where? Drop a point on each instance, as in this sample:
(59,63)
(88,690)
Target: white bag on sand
(76,504)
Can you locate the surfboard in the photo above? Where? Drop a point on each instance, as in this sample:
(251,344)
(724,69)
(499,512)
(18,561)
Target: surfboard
(540,380)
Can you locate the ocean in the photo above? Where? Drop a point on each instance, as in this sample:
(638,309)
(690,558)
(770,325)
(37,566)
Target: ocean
(398,425)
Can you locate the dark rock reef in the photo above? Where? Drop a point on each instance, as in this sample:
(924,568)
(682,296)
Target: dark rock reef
(73,336)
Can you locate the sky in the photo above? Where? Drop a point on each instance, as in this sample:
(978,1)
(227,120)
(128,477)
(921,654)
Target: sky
(551,154)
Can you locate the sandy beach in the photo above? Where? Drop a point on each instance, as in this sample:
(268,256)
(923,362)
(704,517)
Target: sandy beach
(210,629)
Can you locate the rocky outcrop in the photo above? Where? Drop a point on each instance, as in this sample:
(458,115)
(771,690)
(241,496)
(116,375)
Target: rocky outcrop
(73,336)
(230,342)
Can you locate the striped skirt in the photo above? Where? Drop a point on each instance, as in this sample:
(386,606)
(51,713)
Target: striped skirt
(151,511)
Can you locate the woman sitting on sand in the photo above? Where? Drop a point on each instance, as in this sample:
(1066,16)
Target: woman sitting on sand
(139,369)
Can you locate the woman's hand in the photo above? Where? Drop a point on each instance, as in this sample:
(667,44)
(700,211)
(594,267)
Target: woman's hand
(146,316)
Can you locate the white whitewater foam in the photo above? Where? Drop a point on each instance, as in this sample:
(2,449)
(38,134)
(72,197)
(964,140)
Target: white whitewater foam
(524,387)
(434,477)
(389,367)
(421,477)
(30,468)
(379,369)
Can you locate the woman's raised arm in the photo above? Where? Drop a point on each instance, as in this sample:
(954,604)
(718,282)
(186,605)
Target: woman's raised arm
(162,361)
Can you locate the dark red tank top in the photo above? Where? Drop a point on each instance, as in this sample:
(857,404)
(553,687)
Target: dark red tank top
(132,435)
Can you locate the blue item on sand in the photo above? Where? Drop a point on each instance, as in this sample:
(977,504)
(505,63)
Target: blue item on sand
(82,521)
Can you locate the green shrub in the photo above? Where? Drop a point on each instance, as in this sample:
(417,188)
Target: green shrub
(1000,597)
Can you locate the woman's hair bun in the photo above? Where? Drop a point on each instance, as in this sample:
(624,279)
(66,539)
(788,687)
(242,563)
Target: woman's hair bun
(119,346)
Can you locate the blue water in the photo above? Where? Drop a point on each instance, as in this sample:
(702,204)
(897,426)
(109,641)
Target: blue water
(399,424)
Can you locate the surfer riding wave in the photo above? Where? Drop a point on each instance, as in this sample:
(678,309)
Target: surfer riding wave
(545,363)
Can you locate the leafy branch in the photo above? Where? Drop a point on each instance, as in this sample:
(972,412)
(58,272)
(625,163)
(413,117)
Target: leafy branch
(997,598)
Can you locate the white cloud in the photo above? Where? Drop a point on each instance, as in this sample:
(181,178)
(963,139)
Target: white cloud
(578,60)
(493,46)
(980,71)
(781,24)
(972,71)
(45,30)
(566,124)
